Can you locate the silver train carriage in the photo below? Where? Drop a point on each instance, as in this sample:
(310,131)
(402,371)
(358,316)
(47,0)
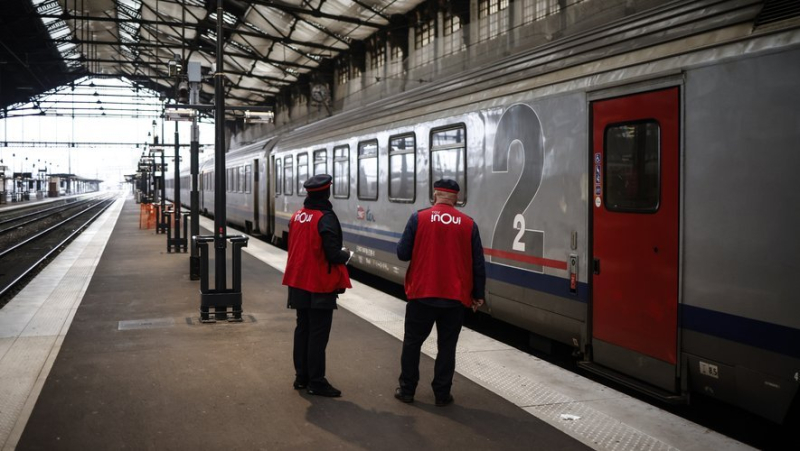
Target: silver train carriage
(246,199)
(633,188)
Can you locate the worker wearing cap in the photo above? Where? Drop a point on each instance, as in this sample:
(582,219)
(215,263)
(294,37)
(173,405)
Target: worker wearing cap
(447,273)
(315,274)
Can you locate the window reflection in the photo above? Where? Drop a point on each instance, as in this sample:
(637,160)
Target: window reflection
(402,168)
(320,162)
(368,170)
(632,179)
(287,175)
(448,158)
(341,172)
(278,176)
(302,172)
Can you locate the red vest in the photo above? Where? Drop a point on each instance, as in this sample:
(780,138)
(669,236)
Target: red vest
(307,267)
(441,261)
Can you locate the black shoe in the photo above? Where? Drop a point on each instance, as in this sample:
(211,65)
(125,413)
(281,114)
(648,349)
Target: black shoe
(446,401)
(299,384)
(326,390)
(398,393)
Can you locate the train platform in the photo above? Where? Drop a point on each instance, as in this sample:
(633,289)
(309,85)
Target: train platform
(104,350)
(11,206)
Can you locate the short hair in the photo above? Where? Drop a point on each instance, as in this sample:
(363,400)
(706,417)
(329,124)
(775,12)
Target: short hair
(445,195)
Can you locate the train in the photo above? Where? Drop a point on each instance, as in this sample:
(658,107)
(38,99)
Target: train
(634,188)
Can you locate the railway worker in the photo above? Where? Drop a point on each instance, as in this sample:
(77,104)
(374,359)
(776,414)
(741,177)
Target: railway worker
(447,273)
(315,274)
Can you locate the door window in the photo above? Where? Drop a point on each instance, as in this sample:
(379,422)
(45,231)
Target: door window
(632,169)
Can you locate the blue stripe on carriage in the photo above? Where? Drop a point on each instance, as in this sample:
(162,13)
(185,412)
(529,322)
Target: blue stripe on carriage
(557,286)
(780,339)
(371,230)
(374,243)
(772,337)
(358,228)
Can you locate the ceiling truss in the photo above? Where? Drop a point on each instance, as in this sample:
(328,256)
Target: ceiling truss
(270,45)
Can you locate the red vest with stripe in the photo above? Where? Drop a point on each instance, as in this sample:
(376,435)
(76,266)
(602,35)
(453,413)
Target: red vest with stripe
(441,261)
(307,267)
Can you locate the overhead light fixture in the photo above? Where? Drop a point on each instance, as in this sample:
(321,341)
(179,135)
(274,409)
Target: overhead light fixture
(259,117)
(184,114)
(175,65)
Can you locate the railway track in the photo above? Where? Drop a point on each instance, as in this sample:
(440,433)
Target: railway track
(28,241)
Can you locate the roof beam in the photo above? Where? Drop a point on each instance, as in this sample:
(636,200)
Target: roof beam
(177,46)
(174,25)
(369,7)
(281,6)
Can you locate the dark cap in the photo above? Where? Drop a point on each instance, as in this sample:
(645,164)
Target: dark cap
(447,185)
(319,182)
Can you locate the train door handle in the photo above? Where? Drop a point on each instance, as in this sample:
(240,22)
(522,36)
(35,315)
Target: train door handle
(596,265)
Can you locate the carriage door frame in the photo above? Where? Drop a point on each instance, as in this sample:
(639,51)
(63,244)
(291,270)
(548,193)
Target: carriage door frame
(255,187)
(635,202)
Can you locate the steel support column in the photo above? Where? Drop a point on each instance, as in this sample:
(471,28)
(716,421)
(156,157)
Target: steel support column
(220,213)
(176,241)
(194,259)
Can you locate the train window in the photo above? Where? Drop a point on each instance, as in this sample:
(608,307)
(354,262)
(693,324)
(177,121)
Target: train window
(287,175)
(402,168)
(228,180)
(278,176)
(302,172)
(631,163)
(341,172)
(248,173)
(368,170)
(320,161)
(448,158)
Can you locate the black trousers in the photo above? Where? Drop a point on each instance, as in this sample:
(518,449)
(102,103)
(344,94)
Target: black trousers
(420,319)
(310,340)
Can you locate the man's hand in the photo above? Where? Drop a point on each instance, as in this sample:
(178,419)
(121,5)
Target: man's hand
(476,303)
(351,253)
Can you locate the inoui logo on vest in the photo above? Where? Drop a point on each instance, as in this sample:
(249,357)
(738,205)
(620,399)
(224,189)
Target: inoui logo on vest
(444,218)
(303,217)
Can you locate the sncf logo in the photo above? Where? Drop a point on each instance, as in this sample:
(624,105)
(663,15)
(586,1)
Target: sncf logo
(303,217)
(444,218)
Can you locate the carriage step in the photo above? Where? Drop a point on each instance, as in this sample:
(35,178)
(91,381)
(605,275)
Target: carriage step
(635,384)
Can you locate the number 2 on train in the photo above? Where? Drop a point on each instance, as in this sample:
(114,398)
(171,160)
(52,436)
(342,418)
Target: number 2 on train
(513,244)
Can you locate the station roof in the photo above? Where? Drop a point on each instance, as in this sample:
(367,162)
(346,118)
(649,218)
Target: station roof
(268,44)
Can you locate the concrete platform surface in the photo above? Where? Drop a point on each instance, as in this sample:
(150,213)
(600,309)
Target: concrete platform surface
(138,371)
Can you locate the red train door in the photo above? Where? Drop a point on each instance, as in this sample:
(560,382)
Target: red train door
(635,194)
